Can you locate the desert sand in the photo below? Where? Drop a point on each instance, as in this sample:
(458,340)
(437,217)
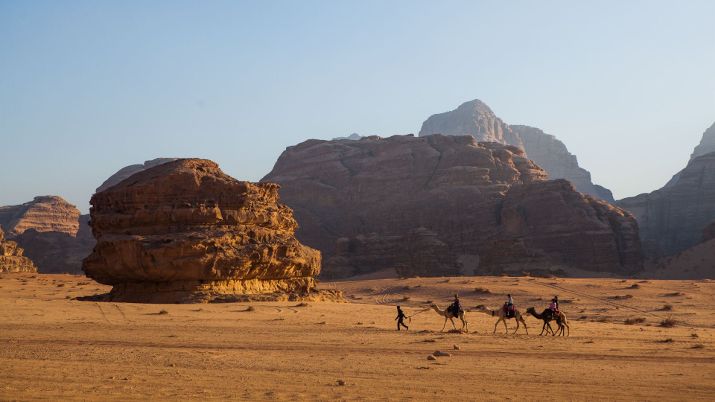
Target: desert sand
(53,346)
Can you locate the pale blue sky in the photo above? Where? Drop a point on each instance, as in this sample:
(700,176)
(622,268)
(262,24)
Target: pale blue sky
(89,87)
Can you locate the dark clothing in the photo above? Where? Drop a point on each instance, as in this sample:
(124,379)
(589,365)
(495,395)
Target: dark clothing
(455,308)
(400,319)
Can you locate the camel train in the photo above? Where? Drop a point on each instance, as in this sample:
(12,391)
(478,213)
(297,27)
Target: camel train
(506,313)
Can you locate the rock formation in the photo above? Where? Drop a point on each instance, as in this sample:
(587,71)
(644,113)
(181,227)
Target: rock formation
(445,205)
(51,231)
(11,258)
(476,119)
(673,218)
(707,143)
(127,171)
(44,214)
(185,231)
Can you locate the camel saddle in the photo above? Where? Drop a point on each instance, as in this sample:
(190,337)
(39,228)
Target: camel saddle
(509,310)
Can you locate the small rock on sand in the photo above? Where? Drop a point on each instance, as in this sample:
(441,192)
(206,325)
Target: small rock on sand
(430,357)
(441,354)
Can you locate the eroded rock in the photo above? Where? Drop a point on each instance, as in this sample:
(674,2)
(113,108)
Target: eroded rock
(439,205)
(185,231)
(11,257)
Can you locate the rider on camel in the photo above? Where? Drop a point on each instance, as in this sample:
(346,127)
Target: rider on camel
(456,306)
(554,306)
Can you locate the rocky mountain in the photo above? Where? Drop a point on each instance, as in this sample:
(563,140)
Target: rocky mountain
(446,205)
(127,171)
(707,143)
(475,118)
(696,262)
(672,219)
(11,258)
(185,231)
(51,232)
(47,213)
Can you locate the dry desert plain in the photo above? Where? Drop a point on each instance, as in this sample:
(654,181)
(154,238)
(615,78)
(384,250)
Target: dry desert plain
(54,347)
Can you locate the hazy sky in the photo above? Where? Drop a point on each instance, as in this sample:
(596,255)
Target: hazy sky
(89,87)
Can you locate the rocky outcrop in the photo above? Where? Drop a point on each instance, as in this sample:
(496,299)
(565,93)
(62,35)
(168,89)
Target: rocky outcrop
(185,231)
(707,143)
(709,232)
(697,262)
(52,233)
(44,214)
(11,258)
(551,155)
(476,119)
(444,205)
(673,218)
(58,252)
(128,171)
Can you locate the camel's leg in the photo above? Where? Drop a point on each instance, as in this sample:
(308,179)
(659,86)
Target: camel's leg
(452,320)
(495,325)
(517,326)
(524,322)
(464,323)
(445,324)
(506,328)
(550,328)
(568,329)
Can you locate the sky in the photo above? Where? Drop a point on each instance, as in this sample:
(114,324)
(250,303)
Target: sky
(88,87)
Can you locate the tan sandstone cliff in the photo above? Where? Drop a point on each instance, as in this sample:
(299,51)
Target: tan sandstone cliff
(185,231)
(445,205)
(11,258)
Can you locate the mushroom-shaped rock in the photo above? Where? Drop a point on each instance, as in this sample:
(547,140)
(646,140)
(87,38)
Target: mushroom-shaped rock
(185,231)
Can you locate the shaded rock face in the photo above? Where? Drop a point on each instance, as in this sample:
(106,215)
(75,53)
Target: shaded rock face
(11,258)
(52,233)
(58,252)
(128,171)
(707,143)
(435,205)
(185,231)
(476,119)
(673,218)
(44,214)
(696,262)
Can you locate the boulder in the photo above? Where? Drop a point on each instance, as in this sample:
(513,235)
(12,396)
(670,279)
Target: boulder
(11,257)
(475,118)
(444,205)
(184,231)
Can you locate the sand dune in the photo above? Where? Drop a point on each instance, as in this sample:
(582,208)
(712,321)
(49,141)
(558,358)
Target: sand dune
(55,347)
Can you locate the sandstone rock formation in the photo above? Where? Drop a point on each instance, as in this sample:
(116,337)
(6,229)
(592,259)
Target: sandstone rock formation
(673,218)
(127,171)
(185,231)
(696,262)
(51,231)
(476,119)
(444,205)
(44,214)
(11,258)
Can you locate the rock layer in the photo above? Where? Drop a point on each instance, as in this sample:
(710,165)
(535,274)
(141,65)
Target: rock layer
(11,258)
(673,218)
(444,205)
(707,143)
(185,231)
(476,119)
(44,214)
(51,231)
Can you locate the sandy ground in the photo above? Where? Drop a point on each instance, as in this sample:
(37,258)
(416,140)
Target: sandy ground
(54,347)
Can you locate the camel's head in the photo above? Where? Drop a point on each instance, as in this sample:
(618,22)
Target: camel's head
(481,307)
(433,305)
(530,310)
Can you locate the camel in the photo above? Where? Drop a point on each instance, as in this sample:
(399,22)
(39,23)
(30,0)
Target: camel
(502,317)
(448,315)
(547,316)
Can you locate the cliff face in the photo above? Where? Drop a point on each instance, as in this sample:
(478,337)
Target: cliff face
(185,231)
(707,143)
(43,214)
(477,119)
(128,171)
(11,258)
(673,218)
(433,205)
(51,232)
